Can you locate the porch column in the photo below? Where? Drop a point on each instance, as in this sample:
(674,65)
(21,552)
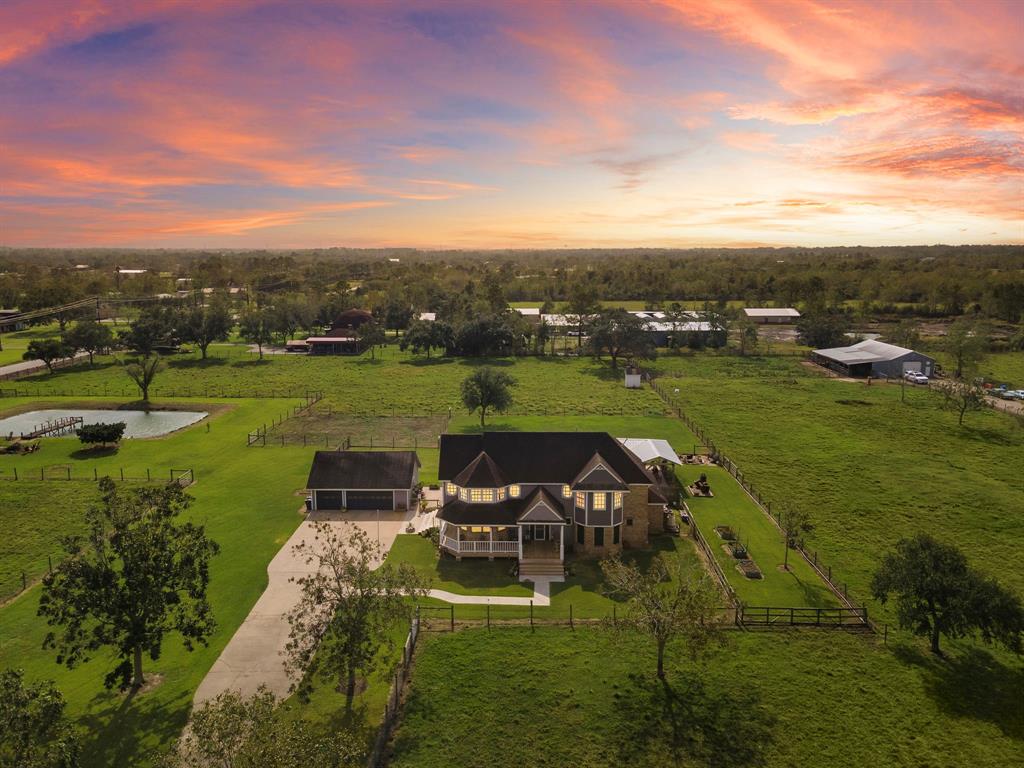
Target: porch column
(520,529)
(490,542)
(561,542)
(458,542)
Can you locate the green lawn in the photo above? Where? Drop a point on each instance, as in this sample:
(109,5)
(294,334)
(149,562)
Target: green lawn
(247,500)
(471,576)
(555,697)
(15,344)
(731,506)
(868,467)
(394,384)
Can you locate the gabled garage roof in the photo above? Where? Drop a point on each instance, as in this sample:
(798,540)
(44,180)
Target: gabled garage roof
(363,470)
(867,351)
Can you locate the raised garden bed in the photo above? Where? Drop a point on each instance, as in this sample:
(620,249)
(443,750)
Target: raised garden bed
(725,532)
(749,569)
(738,551)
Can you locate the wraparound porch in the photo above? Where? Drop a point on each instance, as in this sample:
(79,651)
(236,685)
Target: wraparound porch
(525,542)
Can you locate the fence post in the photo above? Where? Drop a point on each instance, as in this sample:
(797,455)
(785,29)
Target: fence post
(41,475)
(615,618)
(452,607)
(122,474)
(49,562)
(69,472)
(24,582)
(148,478)
(531,615)
(488,617)
(571,625)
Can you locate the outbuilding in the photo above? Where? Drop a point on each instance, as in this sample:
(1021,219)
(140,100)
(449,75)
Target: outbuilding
(772,315)
(873,358)
(363,480)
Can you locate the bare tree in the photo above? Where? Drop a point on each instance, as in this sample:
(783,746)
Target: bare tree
(666,602)
(795,524)
(348,607)
(963,396)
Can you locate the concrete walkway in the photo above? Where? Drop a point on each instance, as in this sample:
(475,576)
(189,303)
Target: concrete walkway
(541,596)
(253,656)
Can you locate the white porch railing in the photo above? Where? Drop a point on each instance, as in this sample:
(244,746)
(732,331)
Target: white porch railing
(480,547)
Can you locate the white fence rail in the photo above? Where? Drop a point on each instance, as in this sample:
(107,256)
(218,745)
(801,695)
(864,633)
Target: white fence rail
(480,547)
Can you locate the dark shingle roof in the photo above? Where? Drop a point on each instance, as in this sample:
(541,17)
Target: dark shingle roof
(501,513)
(596,476)
(539,457)
(364,470)
(482,472)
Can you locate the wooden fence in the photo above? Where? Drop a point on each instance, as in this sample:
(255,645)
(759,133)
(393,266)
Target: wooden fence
(839,588)
(378,753)
(66,472)
(259,435)
(767,616)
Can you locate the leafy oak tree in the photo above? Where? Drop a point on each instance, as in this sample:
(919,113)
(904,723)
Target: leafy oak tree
(487,389)
(135,576)
(965,342)
(370,335)
(34,731)
(204,325)
(89,336)
(667,601)
(347,609)
(47,350)
(619,334)
(256,327)
(938,593)
(238,732)
(101,434)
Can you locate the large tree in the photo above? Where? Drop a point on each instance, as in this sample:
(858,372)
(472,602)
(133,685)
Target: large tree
(581,307)
(823,327)
(348,607)
(47,350)
(487,389)
(667,601)
(938,593)
(143,372)
(204,325)
(156,326)
(137,575)
(371,335)
(34,731)
(238,732)
(256,327)
(966,341)
(962,396)
(89,336)
(620,334)
(423,336)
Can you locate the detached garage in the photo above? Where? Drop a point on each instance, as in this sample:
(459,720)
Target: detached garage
(363,480)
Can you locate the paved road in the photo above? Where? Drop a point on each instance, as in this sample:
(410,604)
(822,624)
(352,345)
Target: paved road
(28,367)
(253,656)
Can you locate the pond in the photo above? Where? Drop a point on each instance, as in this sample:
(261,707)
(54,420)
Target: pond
(138,423)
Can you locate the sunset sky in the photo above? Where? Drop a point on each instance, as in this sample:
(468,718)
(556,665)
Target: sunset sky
(530,124)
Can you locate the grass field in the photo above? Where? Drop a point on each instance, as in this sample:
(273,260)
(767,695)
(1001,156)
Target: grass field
(247,500)
(869,467)
(26,543)
(397,384)
(731,506)
(589,698)
(15,344)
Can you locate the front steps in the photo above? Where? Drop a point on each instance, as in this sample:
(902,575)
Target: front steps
(549,570)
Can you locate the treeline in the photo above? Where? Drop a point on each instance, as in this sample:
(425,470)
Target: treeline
(932,281)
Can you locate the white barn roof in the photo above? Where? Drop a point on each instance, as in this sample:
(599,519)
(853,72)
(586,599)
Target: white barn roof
(648,449)
(529,311)
(770,312)
(868,351)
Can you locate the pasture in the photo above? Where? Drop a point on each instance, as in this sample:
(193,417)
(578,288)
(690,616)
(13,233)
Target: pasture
(510,697)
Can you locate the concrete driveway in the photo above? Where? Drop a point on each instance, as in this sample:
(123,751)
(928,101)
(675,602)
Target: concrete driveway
(253,656)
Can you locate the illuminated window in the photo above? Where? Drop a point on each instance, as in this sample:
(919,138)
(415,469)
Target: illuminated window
(618,501)
(481,494)
(600,501)
(453,489)
(566,491)
(501,494)
(513,491)
(463,494)
(581,500)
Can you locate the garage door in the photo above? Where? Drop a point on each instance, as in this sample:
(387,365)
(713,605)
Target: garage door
(912,367)
(370,500)
(329,500)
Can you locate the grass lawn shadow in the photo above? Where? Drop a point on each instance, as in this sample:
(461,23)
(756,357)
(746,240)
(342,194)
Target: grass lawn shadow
(423,362)
(478,573)
(691,722)
(972,683)
(96,452)
(198,363)
(115,720)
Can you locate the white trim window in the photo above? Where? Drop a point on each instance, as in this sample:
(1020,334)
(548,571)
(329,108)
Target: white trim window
(451,489)
(464,494)
(501,494)
(566,492)
(513,491)
(599,502)
(481,495)
(617,500)
(581,500)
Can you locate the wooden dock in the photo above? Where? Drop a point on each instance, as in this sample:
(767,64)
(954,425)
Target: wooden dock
(54,428)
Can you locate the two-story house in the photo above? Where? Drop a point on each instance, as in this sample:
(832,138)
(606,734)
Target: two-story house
(538,496)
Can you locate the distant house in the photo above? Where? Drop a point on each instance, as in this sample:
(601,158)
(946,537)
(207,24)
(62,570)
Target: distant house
(351,320)
(363,480)
(10,321)
(538,496)
(427,317)
(337,342)
(771,315)
(873,358)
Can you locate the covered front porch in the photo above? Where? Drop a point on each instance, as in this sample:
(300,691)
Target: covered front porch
(527,541)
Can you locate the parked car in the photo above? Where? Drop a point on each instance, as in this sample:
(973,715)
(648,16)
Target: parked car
(918,378)
(1014,394)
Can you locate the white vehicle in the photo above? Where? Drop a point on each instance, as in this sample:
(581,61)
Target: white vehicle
(917,378)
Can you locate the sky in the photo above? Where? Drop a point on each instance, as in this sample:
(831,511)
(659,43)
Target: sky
(448,124)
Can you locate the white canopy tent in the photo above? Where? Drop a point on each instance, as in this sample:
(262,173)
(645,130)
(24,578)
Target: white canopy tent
(648,449)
